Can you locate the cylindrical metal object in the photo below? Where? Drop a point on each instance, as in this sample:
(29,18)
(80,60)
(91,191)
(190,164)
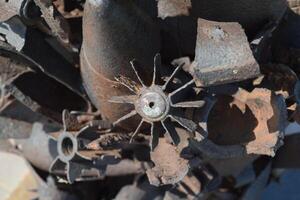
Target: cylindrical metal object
(114,33)
(39,149)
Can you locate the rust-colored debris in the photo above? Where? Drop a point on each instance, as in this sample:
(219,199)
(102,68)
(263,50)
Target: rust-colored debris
(173,8)
(169,167)
(255,119)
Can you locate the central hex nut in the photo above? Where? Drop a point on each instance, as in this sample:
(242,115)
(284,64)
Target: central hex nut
(152,105)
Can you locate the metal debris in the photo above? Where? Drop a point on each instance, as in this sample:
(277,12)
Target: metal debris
(173,8)
(111,122)
(222,55)
(58,25)
(169,167)
(157,108)
(103,58)
(262,121)
(72,154)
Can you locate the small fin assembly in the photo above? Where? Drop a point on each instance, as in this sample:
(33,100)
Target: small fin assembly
(156,107)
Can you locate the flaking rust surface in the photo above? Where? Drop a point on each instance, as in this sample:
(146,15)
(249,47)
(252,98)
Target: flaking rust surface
(255,119)
(270,112)
(173,8)
(169,167)
(222,54)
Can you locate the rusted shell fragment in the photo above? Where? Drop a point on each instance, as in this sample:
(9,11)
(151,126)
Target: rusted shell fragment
(222,55)
(173,8)
(169,167)
(115,33)
(256,120)
(179,33)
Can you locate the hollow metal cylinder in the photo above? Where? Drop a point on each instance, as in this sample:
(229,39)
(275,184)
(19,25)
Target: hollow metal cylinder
(114,33)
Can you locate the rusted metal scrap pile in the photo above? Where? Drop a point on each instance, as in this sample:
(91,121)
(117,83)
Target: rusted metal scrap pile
(151,99)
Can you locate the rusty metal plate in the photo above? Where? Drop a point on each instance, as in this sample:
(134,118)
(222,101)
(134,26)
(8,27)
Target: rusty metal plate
(223,54)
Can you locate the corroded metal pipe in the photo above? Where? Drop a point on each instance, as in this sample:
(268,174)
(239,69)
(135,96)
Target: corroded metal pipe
(114,33)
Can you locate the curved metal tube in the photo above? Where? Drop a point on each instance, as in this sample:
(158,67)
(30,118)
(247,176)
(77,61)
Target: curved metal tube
(114,33)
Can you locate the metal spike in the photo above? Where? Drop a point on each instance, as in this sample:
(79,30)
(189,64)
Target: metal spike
(182,87)
(189,104)
(136,130)
(171,131)
(154,136)
(185,123)
(130,99)
(125,117)
(172,76)
(133,63)
(157,64)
